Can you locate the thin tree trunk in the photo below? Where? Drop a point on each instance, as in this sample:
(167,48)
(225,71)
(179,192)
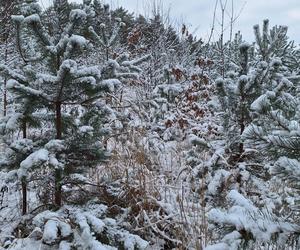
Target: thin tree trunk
(5,98)
(58,172)
(5,81)
(24,129)
(58,121)
(23,181)
(107,54)
(24,196)
(223,8)
(244,71)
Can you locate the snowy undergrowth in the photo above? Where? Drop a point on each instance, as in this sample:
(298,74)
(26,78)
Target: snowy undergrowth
(162,193)
(249,226)
(70,227)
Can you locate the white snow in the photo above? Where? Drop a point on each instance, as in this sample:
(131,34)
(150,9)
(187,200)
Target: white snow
(218,246)
(13,122)
(50,232)
(78,40)
(55,145)
(111,84)
(32,18)
(86,130)
(77,14)
(37,158)
(17,18)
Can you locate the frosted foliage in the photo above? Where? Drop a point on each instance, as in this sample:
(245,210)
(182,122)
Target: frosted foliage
(214,184)
(243,215)
(260,103)
(287,168)
(17,18)
(77,40)
(55,145)
(23,145)
(111,84)
(11,122)
(195,140)
(37,158)
(97,225)
(64,246)
(219,246)
(32,18)
(131,241)
(50,232)
(77,14)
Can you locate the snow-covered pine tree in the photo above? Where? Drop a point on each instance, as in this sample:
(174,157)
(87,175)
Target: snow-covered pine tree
(274,129)
(156,37)
(128,19)
(107,41)
(16,117)
(58,86)
(274,134)
(255,73)
(236,92)
(61,87)
(102,15)
(271,111)
(271,72)
(20,119)
(62,8)
(108,30)
(56,17)
(272,42)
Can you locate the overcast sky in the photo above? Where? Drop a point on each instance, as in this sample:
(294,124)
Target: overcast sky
(198,14)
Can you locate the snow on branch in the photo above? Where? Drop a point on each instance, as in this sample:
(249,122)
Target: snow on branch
(35,159)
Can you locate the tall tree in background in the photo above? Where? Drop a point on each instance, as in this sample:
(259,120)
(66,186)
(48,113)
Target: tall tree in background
(7,8)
